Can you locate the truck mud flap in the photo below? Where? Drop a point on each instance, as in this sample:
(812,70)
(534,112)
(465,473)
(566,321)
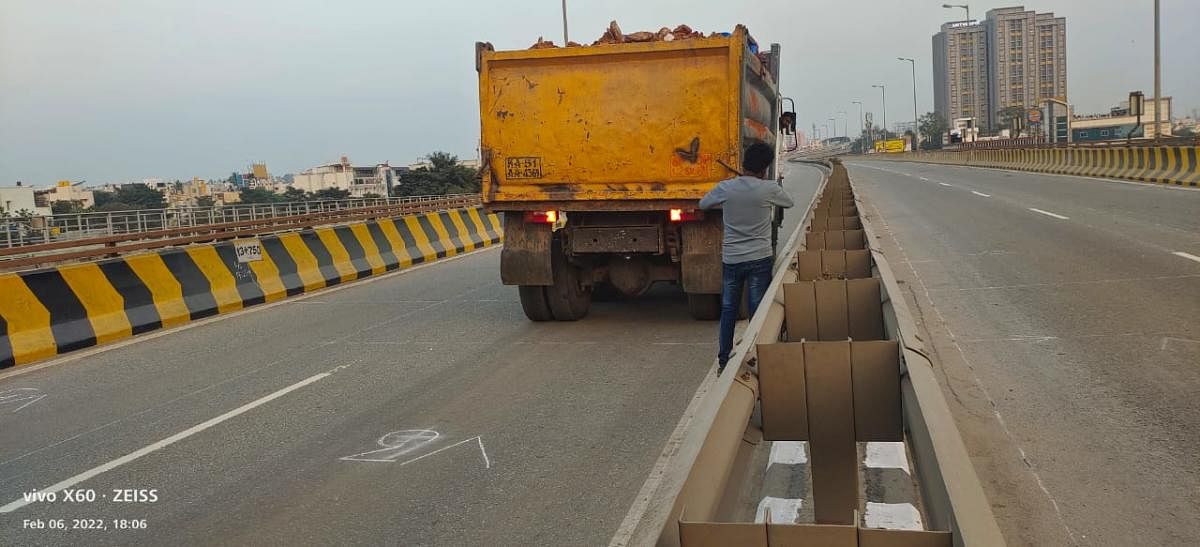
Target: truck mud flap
(525,259)
(701,259)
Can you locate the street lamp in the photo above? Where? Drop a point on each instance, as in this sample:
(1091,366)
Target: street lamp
(883,89)
(845,129)
(861,130)
(916,121)
(1157,79)
(833,122)
(963,6)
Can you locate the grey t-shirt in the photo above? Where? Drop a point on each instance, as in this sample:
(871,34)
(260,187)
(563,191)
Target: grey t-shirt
(746,207)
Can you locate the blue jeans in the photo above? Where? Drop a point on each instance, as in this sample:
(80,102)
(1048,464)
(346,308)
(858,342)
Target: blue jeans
(733,276)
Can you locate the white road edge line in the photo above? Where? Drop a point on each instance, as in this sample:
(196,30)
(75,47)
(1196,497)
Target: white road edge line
(22,502)
(1188,256)
(1049,214)
(944,184)
(981,194)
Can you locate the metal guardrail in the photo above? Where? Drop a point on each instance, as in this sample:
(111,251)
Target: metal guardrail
(17,232)
(74,249)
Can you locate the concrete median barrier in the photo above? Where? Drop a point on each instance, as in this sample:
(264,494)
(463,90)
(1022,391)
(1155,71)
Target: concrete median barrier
(55,310)
(1176,165)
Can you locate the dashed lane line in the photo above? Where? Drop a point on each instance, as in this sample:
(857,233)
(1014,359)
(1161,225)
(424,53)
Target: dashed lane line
(1049,214)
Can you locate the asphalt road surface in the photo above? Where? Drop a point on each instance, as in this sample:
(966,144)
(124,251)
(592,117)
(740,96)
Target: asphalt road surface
(420,409)
(1064,314)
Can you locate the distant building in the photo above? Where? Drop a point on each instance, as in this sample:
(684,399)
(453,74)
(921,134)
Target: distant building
(1013,58)
(66,191)
(359,180)
(15,200)
(1119,124)
(960,80)
(1027,58)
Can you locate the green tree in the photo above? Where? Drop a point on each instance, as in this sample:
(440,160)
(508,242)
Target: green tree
(1185,132)
(371,195)
(444,176)
(260,195)
(205,201)
(331,193)
(1011,118)
(136,196)
(295,194)
(933,128)
(65,207)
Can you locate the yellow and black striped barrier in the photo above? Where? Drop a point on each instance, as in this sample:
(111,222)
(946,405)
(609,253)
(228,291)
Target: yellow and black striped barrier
(51,311)
(1177,165)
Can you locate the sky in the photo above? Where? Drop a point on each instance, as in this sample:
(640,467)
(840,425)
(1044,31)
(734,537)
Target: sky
(119,90)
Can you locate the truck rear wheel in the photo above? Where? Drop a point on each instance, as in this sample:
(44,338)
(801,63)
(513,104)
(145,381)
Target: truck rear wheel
(569,300)
(704,307)
(533,301)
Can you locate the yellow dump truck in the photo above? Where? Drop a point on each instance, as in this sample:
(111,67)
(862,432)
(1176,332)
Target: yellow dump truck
(598,155)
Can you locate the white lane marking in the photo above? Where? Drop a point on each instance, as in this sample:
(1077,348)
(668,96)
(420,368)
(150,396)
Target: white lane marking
(1049,214)
(944,184)
(787,453)
(1167,339)
(981,194)
(893,516)
(924,179)
(783,510)
(27,395)
(1188,256)
(167,441)
(887,455)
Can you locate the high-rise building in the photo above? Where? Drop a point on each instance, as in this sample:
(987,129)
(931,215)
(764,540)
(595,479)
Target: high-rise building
(960,82)
(1027,58)
(1013,58)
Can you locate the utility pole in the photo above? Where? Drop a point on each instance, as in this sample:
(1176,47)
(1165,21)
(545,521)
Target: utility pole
(861,128)
(564,10)
(883,89)
(1157,78)
(916,118)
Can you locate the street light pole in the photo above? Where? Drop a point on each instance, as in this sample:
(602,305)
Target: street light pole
(963,6)
(861,127)
(883,89)
(845,124)
(916,118)
(833,121)
(1157,79)
(564,10)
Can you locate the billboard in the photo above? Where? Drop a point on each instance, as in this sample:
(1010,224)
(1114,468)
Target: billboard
(891,146)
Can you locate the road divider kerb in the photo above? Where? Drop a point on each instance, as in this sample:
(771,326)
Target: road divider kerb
(1169,165)
(55,310)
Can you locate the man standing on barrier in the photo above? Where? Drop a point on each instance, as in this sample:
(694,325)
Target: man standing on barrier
(746,255)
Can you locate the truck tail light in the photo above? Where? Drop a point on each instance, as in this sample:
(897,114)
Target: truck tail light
(541,217)
(679,215)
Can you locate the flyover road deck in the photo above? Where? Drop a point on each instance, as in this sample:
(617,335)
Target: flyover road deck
(266,427)
(1065,315)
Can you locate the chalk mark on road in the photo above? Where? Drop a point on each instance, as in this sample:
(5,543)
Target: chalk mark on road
(405,442)
(396,444)
(28,395)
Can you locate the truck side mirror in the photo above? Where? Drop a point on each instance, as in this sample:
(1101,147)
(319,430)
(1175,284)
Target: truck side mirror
(787,123)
